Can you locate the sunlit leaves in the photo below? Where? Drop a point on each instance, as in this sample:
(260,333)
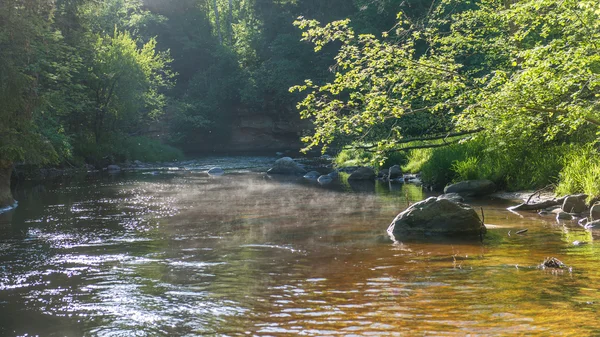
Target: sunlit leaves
(530,69)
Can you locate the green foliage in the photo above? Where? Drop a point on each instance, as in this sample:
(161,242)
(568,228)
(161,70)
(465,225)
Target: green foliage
(25,28)
(521,71)
(120,148)
(359,157)
(514,168)
(581,172)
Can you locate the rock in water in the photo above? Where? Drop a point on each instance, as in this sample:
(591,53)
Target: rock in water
(575,203)
(113,168)
(325,179)
(552,262)
(363,173)
(286,165)
(452,196)
(561,215)
(312,175)
(595,212)
(471,188)
(395,172)
(216,171)
(435,216)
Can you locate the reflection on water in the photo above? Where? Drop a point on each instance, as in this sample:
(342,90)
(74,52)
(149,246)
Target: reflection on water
(180,253)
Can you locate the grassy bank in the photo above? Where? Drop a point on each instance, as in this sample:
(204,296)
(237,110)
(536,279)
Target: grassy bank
(571,168)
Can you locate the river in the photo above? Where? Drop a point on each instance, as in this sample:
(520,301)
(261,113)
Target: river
(175,252)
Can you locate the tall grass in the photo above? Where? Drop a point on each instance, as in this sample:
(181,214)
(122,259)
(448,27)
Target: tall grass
(511,168)
(581,172)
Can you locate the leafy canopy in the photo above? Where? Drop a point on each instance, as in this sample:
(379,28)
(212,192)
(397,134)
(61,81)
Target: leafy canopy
(517,70)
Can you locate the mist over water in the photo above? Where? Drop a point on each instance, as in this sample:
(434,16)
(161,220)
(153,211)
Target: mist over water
(181,253)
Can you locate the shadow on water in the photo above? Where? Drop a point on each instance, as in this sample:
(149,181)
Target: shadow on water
(182,253)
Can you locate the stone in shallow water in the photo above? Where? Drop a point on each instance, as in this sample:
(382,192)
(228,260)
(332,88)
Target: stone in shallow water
(394,172)
(435,216)
(575,203)
(216,171)
(286,165)
(363,173)
(595,212)
(470,188)
(312,175)
(552,262)
(325,179)
(563,216)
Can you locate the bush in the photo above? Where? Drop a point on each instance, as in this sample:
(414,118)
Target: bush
(360,157)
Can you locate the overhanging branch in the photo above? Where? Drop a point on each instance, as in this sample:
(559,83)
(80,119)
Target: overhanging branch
(425,138)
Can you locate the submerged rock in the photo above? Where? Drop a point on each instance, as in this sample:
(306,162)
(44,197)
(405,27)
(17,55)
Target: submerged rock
(216,171)
(592,224)
(552,262)
(575,203)
(325,179)
(286,165)
(561,215)
(595,212)
(312,175)
(470,188)
(435,216)
(362,173)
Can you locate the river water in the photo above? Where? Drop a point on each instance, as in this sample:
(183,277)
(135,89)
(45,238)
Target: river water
(176,252)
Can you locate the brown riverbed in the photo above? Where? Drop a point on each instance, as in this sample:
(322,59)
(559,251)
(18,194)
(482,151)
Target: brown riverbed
(179,253)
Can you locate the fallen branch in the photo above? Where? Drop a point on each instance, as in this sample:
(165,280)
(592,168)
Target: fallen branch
(538,192)
(540,205)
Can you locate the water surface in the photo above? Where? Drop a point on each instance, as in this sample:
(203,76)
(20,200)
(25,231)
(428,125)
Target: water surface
(180,253)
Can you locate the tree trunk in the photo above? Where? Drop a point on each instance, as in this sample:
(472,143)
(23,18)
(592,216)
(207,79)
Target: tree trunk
(230,23)
(217,24)
(6,198)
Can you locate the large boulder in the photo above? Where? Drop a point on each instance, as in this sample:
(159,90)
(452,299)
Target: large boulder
(362,173)
(595,212)
(575,203)
(435,216)
(471,188)
(395,172)
(286,165)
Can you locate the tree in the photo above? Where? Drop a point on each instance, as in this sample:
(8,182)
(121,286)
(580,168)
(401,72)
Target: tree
(25,31)
(518,71)
(125,83)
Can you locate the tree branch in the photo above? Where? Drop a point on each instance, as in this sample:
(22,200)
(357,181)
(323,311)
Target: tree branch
(429,146)
(425,138)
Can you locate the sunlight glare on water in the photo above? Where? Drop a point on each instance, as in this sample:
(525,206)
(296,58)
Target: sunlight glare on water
(180,253)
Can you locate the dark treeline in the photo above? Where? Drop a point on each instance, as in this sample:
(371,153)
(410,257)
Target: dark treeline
(85,80)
